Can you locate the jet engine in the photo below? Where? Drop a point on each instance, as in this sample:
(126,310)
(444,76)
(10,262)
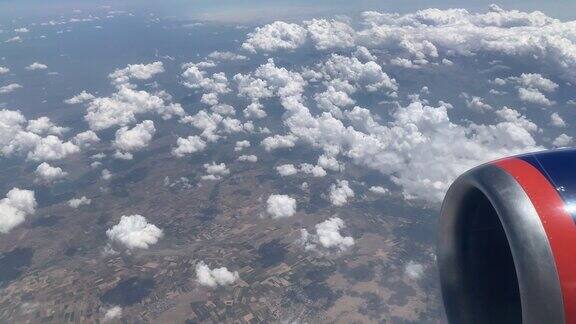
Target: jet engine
(507,241)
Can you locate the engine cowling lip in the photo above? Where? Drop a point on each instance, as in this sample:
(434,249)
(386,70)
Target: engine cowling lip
(540,292)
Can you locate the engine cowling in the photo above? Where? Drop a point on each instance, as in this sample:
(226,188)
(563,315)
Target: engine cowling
(507,241)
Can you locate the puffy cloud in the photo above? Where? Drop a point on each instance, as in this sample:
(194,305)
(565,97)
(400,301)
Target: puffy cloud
(134,232)
(327,236)
(330,163)
(533,96)
(86,139)
(476,103)
(281,206)
(48,148)
(9,88)
(106,174)
(47,173)
(215,171)
(379,190)
(18,204)
(562,140)
(112,313)
(188,145)
(414,270)
(332,100)
(77,202)
(214,277)
(248,158)
(36,66)
(195,78)
(21,30)
(240,145)
(368,75)
(340,192)
(286,170)
(535,81)
(328,34)
(44,126)
(314,170)
(279,141)
(80,98)
(136,71)
(121,108)
(275,36)
(226,56)
(14,39)
(557,121)
(254,110)
(134,139)
(4,70)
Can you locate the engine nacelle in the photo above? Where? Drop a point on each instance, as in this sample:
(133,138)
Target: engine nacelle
(507,241)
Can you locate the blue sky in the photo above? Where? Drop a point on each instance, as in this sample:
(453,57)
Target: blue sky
(259,10)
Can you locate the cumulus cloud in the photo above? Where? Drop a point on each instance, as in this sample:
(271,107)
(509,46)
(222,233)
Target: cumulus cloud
(379,190)
(112,313)
(18,204)
(44,126)
(226,56)
(315,170)
(533,96)
(134,232)
(136,71)
(123,106)
(36,66)
(214,277)
(327,236)
(278,141)
(328,34)
(286,170)
(188,145)
(4,70)
(414,270)
(215,171)
(562,140)
(86,139)
(106,175)
(557,121)
(77,202)
(340,192)
(281,206)
(134,139)
(49,174)
(9,88)
(275,36)
(80,98)
(248,158)
(240,145)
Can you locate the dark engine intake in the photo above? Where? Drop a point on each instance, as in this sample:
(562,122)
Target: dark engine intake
(507,241)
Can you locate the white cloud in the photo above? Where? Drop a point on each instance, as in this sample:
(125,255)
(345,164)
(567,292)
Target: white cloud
(188,145)
(121,108)
(368,75)
(134,139)
(327,236)
(329,34)
(275,36)
(44,126)
(80,98)
(278,141)
(315,170)
(50,148)
(414,270)
(21,30)
(340,192)
(15,207)
(215,171)
(4,70)
(535,81)
(557,121)
(254,110)
(86,139)
(134,232)
(77,202)
(240,145)
(248,158)
(214,277)
(533,96)
(136,71)
(49,174)
(281,206)
(112,313)
(286,170)
(36,66)
(477,104)
(379,190)
(106,175)
(226,56)
(562,140)
(9,88)
(14,39)
(330,163)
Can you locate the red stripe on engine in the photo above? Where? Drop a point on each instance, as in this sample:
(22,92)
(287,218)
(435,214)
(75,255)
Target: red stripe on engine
(558,224)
